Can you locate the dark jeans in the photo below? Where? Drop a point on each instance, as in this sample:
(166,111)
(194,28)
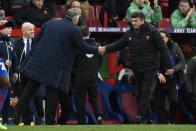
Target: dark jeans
(143,83)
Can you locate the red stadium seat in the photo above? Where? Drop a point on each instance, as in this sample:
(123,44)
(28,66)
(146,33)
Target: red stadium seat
(122,24)
(97,11)
(91,15)
(165,23)
(165,7)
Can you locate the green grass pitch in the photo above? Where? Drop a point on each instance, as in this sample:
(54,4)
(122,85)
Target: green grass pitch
(105,128)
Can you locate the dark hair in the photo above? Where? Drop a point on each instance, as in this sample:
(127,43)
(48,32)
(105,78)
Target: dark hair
(187,1)
(166,33)
(138,15)
(84,30)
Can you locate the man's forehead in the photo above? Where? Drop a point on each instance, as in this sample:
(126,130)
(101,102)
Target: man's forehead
(135,19)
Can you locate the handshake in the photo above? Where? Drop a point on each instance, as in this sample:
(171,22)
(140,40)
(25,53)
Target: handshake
(101,50)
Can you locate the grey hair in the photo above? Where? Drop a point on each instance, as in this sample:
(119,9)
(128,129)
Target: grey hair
(72,13)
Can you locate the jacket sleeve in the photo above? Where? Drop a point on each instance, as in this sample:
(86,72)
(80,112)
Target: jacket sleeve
(157,15)
(180,58)
(177,22)
(159,44)
(81,44)
(189,74)
(192,21)
(119,44)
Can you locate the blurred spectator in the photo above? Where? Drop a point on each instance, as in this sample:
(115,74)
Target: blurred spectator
(115,9)
(7,5)
(2,17)
(77,5)
(191,84)
(83,5)
(51,6)
(184,16)
(35,13)
(173,4)
(2,14)
(151,15)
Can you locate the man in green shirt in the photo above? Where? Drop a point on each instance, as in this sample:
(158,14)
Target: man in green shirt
(184,16)
(151,15)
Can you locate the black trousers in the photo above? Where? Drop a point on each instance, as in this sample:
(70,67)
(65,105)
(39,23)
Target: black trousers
(169,91)
(143,83)
(80,94)
(65,100)
(52,96)
(27,93)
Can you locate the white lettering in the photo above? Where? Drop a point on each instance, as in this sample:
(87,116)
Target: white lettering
(178,30)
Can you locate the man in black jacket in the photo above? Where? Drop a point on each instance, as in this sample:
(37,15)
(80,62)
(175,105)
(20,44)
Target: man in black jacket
(51,63)
(167,88)
(84,79)
(144,42)
(34,13)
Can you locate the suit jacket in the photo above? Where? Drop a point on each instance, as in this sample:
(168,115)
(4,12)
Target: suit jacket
(19,49)
(52,60)
(21,56)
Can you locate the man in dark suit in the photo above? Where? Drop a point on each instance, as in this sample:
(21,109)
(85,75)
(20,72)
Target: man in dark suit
(51,62)
(23,46)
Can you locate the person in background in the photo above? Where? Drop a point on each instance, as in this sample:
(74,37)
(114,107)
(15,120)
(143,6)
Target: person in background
(35,13)
(51,6)
(191,85)
(151,15)
(184,16)
(8,55)
(166,88)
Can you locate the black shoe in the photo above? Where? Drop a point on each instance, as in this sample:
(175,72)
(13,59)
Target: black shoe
(16,119)
(138,119)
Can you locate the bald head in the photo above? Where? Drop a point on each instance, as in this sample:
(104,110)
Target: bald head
(28,30)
